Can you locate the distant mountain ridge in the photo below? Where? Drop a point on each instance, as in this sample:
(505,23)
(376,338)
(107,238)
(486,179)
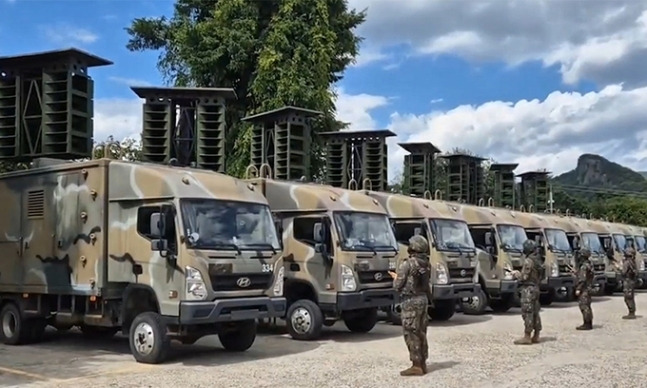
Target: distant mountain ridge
(595,171)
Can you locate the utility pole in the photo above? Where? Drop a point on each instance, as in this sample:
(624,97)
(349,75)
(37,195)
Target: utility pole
(550,198)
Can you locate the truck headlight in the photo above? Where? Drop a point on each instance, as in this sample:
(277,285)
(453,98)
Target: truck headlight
(554,269)
(195,287)
(392,265)
(641,265)
(508,276)
(441,274)
(278,282)
(347,279)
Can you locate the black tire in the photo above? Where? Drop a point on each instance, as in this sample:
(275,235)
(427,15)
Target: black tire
(393,315)
(476,304)
(14,329)
(98,332)
(609,290)
(147,337)
(502,305)
(362,322)
(547,299)
(240,339)
(304,320)
(443,310)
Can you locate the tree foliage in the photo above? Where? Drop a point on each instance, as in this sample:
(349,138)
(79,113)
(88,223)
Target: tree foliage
(272,52)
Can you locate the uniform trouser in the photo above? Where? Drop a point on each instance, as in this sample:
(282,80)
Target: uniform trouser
(530,309)
(628,286)
(414,325)
(584,301)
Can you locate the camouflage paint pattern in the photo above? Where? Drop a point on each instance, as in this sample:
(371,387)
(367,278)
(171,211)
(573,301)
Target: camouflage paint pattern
(630,233)
(293,200)
(71,228)
(574,226)
(482,216)
(404,208)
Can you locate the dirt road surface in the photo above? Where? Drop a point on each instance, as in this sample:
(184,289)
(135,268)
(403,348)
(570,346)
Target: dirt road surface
(467,351)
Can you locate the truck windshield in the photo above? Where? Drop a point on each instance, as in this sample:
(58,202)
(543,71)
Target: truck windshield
(640,244)
(621,242)
(365,231)
(558,240)
(452,235)
(228,225)
(512,237)
(592,240)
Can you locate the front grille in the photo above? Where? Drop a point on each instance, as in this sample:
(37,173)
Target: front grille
(370,277)
(598,268)
(228,282)
(461,274)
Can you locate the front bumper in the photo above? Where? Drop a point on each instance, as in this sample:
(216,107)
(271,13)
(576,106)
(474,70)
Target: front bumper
(231,310)
(600,280)
(612,278)
(454,291)
(508,286)
(347,301)
(556,283)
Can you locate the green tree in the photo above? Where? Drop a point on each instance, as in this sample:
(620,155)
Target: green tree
(272,52)
(127,149)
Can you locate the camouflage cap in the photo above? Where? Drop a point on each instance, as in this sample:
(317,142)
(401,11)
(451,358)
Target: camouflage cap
(418,244)
(529,246)
(585,252)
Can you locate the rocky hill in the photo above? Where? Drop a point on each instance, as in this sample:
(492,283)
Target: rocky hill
(594,171)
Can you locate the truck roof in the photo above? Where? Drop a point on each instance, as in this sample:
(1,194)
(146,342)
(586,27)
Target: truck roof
(486,215)
(402,206)
(134,180)
(286,196)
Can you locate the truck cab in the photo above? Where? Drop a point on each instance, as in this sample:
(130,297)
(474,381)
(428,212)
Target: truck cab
(499,241)
(640,244)
(451,250)
(155,251)
(559,258)
(625,236)
(338,247)
(580,234)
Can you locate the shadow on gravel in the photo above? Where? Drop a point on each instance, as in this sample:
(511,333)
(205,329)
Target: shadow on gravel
(207,351)
(547,339)
(436,366)
(339,332)
(561,305)
(461,320)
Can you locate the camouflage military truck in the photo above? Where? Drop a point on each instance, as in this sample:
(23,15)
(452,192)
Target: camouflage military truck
(580,233)
(452,251)
(155,251)
(613,259)
(337,247)
(641,250)
(624,236)
(559,259)
(499,240)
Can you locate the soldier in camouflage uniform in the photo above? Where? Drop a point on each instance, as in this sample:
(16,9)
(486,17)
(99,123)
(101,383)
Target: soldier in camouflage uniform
(529,279)
(584,286)
(412,282)
(629,281)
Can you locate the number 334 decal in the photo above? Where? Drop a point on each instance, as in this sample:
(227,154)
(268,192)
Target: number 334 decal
(266,267)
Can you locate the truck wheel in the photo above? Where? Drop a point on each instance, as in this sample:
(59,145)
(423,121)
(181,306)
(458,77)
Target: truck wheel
(149,343)
(393,315)
(502,305)
(304,320)
(362,322)
(443,310)
(476,304)
(98,332)
(14,330)
(546,299)
(241,339)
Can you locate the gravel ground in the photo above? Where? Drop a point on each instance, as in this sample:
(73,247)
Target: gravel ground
(467,351)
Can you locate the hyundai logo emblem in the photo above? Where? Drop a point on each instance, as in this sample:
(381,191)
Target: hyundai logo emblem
(463,273)
(378,276)
(243,282)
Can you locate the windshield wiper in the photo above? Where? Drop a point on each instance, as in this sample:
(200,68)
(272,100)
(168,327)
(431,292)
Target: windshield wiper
(391,248)
(266,245)
(231,245)
(366,248)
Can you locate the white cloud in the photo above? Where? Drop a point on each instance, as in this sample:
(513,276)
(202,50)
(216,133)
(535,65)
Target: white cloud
(598,40)
(65,34)
(119,117)
(356,109)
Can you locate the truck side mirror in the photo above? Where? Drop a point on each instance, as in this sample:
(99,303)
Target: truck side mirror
(157,225)
(576,243)
(159,245)
(317,232)
(488,239)
(417,231)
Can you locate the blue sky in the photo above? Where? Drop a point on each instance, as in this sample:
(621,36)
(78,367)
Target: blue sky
(427,71)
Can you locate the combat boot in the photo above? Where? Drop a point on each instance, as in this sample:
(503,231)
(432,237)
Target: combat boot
(631,315)
(585,326)
(423,366)
(414,370)
(525,340)
(535,337)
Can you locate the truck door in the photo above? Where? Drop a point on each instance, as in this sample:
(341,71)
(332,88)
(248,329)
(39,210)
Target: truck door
(311,254)
(10,237)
